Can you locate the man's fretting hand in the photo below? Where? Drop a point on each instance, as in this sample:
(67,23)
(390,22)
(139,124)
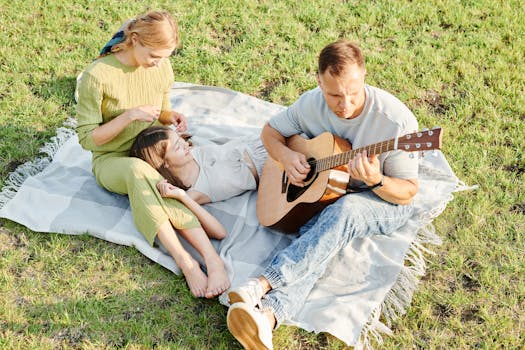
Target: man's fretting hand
(365,168)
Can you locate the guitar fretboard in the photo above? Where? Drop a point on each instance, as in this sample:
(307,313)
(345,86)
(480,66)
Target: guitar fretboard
(336,160)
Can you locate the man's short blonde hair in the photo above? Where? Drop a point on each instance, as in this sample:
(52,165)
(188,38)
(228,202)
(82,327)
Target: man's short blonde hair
(337,56)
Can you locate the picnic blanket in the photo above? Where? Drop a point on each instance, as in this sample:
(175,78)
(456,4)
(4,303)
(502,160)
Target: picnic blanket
(367,285)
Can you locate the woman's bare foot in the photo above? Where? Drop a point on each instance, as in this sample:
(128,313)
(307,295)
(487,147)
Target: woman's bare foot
(196,279)
(218,280)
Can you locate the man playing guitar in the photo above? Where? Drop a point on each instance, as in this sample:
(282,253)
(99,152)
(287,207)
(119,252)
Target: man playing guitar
(379,200)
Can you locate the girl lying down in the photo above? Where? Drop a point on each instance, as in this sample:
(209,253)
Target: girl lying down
(208,173)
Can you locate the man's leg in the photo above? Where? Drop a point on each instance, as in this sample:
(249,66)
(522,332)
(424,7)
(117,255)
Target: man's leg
(291,275)
(294,270)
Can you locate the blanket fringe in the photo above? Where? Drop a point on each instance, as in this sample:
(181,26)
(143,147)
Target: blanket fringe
(463,187)
(33,167)
(399,297)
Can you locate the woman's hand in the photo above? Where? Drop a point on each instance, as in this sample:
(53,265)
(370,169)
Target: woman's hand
(177,119)
(145,113)
(106,132)
(170,191)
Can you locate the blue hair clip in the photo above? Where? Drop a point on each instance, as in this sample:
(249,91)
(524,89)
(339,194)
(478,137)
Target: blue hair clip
(116,39)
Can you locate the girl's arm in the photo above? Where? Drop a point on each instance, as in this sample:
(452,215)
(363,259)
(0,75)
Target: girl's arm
(211,225)
(198,197)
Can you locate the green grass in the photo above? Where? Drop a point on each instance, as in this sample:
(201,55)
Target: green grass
(457,64)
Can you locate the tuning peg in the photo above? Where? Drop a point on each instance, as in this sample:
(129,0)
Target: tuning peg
(411,156)
(425,129)
(435,127)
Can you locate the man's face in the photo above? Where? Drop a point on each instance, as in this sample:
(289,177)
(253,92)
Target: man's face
(344,94)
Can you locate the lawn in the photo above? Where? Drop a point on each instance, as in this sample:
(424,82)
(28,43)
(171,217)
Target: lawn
(456,64)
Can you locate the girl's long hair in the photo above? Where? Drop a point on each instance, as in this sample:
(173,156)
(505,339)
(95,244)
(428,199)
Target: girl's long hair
(150,145)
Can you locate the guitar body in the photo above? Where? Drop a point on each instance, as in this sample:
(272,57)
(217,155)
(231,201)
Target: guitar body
(286,207)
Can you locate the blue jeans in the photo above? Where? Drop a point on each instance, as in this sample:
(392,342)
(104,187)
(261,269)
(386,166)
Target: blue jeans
(295,269)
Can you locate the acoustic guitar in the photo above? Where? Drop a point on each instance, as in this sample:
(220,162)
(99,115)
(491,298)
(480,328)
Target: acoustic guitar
(286,207)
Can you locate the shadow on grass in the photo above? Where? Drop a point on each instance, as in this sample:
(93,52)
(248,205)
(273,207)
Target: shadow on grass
(60,89)
(20,144)
(52,307)
(25,129)
(123,320)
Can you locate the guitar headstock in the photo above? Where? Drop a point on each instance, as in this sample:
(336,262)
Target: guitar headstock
(420,141)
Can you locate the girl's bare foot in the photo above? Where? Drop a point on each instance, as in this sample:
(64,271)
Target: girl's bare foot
(218,280)
(196,280)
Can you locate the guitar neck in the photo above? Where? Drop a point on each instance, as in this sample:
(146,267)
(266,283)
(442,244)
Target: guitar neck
(417,141)
(343,158)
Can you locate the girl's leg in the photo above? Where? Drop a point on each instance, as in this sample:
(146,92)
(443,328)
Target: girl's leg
(196,279)
(218,280)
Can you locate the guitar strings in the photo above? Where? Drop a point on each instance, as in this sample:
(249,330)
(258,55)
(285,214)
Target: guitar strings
(342,158)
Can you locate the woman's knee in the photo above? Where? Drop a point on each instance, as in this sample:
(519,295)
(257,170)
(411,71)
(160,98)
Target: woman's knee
(139,169)
(121,175)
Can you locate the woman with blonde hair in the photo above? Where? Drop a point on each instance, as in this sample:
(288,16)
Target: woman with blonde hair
(121,93)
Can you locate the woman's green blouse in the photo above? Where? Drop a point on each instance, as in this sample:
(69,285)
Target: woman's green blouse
(107,88)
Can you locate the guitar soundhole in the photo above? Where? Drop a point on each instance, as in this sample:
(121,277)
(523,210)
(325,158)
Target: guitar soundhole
(295,192)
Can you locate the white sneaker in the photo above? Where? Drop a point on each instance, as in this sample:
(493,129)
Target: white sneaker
(250,327)
(250,293)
